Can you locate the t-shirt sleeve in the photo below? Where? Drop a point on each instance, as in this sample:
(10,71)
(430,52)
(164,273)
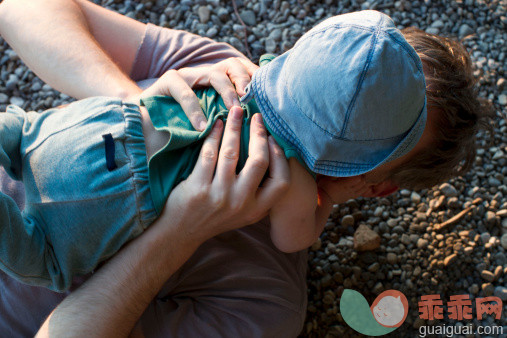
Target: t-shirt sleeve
(162,49)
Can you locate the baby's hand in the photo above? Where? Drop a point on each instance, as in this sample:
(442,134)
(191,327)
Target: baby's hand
(342,189)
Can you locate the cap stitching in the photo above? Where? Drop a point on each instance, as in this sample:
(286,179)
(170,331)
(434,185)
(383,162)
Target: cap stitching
(363,75)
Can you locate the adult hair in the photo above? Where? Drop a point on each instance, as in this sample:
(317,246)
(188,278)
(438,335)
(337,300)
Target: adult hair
(457,113)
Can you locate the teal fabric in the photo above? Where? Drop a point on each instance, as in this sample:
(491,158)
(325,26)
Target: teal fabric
(175,162)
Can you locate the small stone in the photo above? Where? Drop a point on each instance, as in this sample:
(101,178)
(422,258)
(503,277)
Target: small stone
(392,258)
(415,197)
(366,239)
(501,292)
(347,221)
(317,245)
(204,14)
(474,289)
(448,190)
(212,32)
(485,236)
(270,45)
(345,242)
(11,82)
(433,30)
(503,241)
(378,288)
(498,272)
(487,275)
(17,101)
(422,243)
(449,260)
(417,271)
(405,239)
(488,289)
(465,30)
(36,87)
(502,99)
(248,18)
(494,182)
(326,281)
(468,250)
(392,222)
(438,24)
(328,298)
(3,98)
(223,14)
(276,34)
(454,203)
(374,267)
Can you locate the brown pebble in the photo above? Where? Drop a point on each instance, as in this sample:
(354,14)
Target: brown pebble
(366,239)
(487,275)
(449,260)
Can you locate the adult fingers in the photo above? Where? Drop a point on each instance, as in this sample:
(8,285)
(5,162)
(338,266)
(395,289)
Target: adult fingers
(239,75)
(180,90)
(205,166)
(220,80)
(278,180)
(258,156)
(249,65)
(229,150)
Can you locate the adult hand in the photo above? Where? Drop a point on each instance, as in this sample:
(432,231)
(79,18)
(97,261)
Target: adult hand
(229,77)
(215,202)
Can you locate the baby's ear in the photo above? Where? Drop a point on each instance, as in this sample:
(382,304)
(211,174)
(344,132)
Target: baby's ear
(384,188)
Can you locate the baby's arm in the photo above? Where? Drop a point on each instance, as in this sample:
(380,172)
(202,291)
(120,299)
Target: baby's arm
(299,218)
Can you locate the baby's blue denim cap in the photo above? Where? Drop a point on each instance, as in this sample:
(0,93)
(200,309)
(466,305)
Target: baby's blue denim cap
(349,96)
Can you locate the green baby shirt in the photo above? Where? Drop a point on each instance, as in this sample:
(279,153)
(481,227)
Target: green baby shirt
(176,160)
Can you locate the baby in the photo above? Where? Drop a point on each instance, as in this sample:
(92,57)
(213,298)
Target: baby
(349,99)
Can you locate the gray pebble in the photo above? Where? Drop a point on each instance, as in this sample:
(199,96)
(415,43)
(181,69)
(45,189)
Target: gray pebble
(415,197)
(3,98)
(448,190)
(276,34)
(494,182)
(204,14)
(11,82)
(212,32)
(270,45)
(392,258)
(347,221)
(465,30)
(433,30)
(248,18)
(485,236)
(503,241)
(17,101)
(501,292)
(223,14)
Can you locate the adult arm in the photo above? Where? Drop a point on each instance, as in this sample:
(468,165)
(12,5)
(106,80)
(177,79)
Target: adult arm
(113,299)
(53,38)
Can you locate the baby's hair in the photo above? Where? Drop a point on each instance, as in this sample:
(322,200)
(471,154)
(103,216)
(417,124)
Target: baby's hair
(457,112)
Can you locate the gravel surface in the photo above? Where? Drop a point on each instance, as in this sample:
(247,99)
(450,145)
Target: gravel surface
(405,251)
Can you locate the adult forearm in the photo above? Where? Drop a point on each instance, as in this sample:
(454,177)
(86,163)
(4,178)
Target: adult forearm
(107,306)
(53,38)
